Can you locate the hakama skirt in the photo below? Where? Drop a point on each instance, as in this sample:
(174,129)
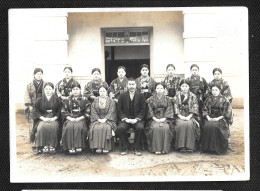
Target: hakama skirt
(101,136)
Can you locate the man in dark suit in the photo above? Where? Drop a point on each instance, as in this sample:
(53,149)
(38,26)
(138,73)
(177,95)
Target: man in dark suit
(131,113)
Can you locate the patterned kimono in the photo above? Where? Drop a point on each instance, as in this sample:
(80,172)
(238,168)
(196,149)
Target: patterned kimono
(74,133)
(187,132)
(215,134)
(117,87)
(64,87)
(225,88)
(46,132)
(100,134)
(159,135)
(33,91)
(146,86)
(172,85)
(199,86)
(91,89)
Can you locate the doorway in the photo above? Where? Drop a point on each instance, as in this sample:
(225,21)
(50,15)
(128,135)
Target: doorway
(129,47)
(131,57)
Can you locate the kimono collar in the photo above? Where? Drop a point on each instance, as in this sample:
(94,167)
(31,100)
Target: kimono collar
(120,79)
(38,82)
(145,78)
(195,77)
(173,77)
(48,97)
(67,80)
(97,81)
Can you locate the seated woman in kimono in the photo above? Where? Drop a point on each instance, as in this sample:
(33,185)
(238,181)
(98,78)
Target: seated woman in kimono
(91,88)
(75,113)
(198,86)
(118,85)
(186,110)
(145,84)
(215,131)
(159,129)
(46,111)
(33,91)
(103,122)
(171,81)
(64,87)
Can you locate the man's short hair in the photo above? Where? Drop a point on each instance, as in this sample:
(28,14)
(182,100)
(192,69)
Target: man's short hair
(131,79)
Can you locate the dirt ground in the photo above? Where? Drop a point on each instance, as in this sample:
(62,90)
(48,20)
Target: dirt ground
(60,166)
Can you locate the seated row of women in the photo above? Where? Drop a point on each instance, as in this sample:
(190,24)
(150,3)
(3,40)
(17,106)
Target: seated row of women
(93,115)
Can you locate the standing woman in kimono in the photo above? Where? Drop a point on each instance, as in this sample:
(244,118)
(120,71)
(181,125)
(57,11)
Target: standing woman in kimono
(159,129)
(145,84)
(171,81)
(34,90)
(64,87)
(215,131)
(91,88)
(75,112)
(103,122)
(47,111)
(224,87)
(186,109)
(198,86)
(118,85)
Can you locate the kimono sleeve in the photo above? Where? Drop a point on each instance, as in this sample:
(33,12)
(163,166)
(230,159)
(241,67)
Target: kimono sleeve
(57,90)
(206,88)
(36,112)
(27,97)
(111,88)
(205,108)
(111,114)
(88,90)
(227,91)
(65,110)
(227,112)
(176,105)
(194,105)
(94,111)
(58,109)
(169,112)
(150,113)
(87,107)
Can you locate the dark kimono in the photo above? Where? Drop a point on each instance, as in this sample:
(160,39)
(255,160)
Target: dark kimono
(187,132)
(46,132)
(100,134)
(91,89)
(215,134)
(64,87)
(199,86)
(74,133)
(117,87)
(159,135)
(172,85)
(33,91)
(224,88)
(146,86)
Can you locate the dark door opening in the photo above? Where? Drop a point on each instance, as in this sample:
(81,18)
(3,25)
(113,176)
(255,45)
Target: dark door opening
(131,57)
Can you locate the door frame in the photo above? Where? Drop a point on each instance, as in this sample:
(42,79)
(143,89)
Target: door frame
(102,31)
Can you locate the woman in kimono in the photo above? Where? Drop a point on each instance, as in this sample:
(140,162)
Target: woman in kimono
(198,86)
(64,87)
(215,131)
(186,110)
(91,88)
(118,85)
(75,112)
(159,129)
(145,84)
(34,90)
(225,88)
(103,122)
(47,111)
(171,81)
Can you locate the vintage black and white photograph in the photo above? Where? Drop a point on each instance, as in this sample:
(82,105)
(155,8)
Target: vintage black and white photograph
(129,94)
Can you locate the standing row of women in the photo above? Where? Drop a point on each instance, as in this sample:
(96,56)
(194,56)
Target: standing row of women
(179,110)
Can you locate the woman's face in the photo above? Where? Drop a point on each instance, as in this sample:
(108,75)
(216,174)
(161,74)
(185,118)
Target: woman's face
(48,90)
(121,73)
(38,76)
(217,75)
(102,92)
(96,75)
(76,91)
(185,88)
(195,71)
(67,73)
(144,72)
(215,91)
(159,89)
(170,71)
